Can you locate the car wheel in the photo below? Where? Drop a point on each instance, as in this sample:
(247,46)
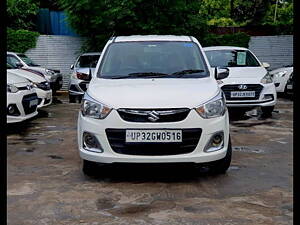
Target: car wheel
(267,110)
(89,168)
(72,98)
(79,98)
(222,165)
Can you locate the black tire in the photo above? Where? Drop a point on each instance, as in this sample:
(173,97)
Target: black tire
(222,165)
(72,98)
(237,113)
(89,168)
(79,98)
(267,110)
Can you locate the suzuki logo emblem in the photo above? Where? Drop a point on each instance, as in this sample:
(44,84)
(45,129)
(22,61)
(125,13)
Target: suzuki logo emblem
(242,87)
(153,116)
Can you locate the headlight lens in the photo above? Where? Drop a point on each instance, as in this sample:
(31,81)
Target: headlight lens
(280,74)
(12,88)
(266,79)
(97,110)
(214,108)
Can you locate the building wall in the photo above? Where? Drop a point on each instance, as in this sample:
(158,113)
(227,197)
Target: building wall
(275,50)
(57,52)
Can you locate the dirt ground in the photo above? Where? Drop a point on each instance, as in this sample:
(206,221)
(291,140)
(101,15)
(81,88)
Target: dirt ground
(46,185)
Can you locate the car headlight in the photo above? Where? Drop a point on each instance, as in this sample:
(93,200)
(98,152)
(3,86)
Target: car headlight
(214,108)
(12,88)
(280,74)
(266,79)
(50,72)
(93,109)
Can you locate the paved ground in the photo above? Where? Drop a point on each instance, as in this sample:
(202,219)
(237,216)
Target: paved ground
(46,185)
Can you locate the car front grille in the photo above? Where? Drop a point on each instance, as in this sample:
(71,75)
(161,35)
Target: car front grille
(190,139)
(153,115)
(227,89)
(26,101)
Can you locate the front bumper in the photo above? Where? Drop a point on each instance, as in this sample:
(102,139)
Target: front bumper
(268,89)
(113,120)
(16,99)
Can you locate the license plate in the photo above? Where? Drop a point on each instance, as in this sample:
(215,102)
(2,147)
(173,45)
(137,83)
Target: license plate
(242,94)
(290,86)
(33,102)
(153,136)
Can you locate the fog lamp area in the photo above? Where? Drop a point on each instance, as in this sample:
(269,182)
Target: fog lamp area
(91,143)
(215,143)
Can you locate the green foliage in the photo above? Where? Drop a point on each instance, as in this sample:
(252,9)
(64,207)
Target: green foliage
(222,22)
(98,20)
(238,39)
(215,9)
(21,14)
(20,40)
(284,14)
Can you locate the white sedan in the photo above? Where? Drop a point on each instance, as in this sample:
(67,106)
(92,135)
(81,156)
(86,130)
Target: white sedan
(22,99)
(280,77)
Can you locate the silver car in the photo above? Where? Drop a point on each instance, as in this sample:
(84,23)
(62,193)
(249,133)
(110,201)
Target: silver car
(84,66)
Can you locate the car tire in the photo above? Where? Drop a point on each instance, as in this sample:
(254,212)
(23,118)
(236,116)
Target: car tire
(267,110)
(237,113)
(89,167)
(79,98)
(222,165)
(72,99)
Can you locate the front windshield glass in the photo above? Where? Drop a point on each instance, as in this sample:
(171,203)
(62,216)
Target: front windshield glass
(27,60)
(231,58)
(153,59)
(86,61)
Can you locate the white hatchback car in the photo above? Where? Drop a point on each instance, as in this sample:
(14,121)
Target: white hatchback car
(41,86)
(280,77)
(79,81)
(249,84)
(22,99)
(154,99)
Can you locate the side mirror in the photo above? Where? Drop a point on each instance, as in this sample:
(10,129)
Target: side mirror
(72,66)
(221,73)
(266,65)
(19,65)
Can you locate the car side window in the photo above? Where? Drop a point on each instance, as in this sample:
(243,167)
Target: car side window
(12,60)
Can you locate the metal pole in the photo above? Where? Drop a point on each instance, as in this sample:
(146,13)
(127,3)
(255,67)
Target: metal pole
(275,11)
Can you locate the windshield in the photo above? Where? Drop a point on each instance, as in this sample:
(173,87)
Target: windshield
(231,58)
(85,61)
(153,59)
(27,60)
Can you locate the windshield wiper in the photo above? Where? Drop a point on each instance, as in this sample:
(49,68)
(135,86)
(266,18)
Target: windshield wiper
(183,72)
(142,74)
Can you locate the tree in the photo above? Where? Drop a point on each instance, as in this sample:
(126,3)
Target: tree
(98,20)
(21,14)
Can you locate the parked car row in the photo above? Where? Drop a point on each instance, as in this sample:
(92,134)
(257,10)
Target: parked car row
(26,92)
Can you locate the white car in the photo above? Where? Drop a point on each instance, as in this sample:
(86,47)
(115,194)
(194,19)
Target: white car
(41,85)
(154,99)
(249,84)
(21,99)
(80,77)
(53,76)
(280,77)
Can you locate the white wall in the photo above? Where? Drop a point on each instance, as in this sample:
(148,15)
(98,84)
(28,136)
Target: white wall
(57,52)
(275,50)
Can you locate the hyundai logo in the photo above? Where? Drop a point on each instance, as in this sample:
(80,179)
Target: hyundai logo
(242,87)
(153,116)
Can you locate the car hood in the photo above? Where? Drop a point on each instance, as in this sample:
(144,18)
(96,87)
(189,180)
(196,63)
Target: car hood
(288,69)
(153,93)
(28,75)
(247,72)
(16,80)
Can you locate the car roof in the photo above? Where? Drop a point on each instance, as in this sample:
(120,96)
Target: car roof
(224,48)
(151,38)
(91,53)
(13,53)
